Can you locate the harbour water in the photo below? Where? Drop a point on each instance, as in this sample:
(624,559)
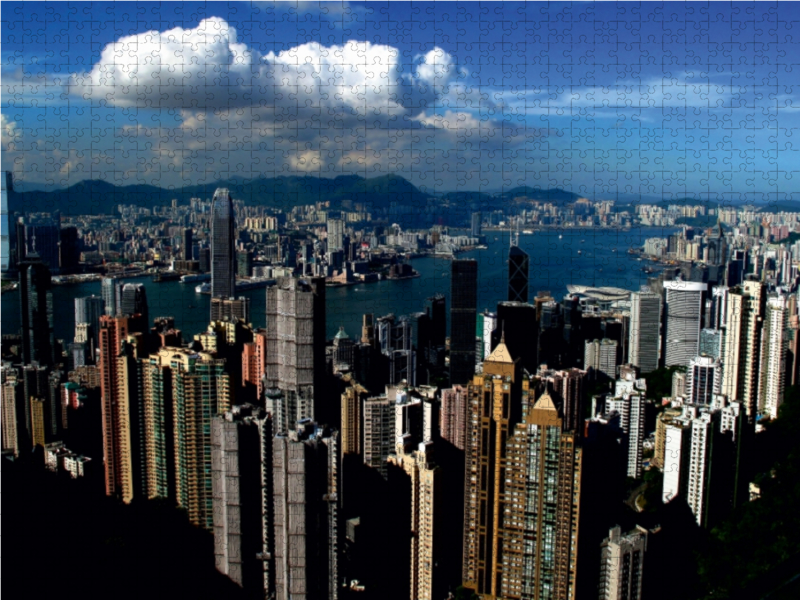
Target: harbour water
(555,262)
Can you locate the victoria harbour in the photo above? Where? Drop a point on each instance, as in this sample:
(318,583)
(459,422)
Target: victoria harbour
(555,263)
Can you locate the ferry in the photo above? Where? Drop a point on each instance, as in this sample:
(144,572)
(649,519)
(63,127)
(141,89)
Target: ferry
(196,278)
(203,288)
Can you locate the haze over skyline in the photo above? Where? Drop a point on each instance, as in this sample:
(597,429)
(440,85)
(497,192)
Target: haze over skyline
(595,98)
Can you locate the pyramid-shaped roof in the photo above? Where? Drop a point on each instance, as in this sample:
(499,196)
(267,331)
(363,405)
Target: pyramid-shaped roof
(500,354)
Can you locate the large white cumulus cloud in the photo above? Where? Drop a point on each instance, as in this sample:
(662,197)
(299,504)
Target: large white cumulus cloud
(208,68)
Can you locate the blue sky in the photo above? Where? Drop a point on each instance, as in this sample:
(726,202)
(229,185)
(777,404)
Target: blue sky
(662,99)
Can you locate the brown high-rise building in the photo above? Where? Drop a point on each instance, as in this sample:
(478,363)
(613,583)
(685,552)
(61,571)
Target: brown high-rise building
(539,536)
(522,493)
(115,395)
(352,399)
(495,407)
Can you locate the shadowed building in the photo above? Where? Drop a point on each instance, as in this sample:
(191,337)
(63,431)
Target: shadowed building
(463,319)
(223,238)
(518,263)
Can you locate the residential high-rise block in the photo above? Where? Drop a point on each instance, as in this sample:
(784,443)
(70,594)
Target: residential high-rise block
(622,564)
(223,240)
(518,265)
(12,413)
(200,390)
(741,345)
(379,430)
(426,506)
(455,402)
(601,357)
(230,309)
(463,316)
(353,399)
(628,401)
(703,379)
(36,305)
(296,350)
(644,341)
(241,445)
(541,502)
(305,513)
(773,357)
(119,397)
(684,310)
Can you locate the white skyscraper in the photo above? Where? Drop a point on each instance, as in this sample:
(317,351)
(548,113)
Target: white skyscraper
(645,330)
(741,345)
(684,309)
(773,357)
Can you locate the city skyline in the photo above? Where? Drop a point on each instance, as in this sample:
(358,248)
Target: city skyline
(400,301)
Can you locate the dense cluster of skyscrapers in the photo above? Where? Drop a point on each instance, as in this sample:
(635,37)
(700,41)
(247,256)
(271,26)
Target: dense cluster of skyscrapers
(472,455)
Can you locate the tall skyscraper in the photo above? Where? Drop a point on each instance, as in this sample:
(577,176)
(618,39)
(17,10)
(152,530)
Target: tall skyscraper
(133,301)
(223,240)
(241,445)
(118,399)
(305,513)
(741,345)
(475,224)
(42,235)
(541,502)
(644,342)
(187,243)
(36,305)
(684,310)
(88,311)
(463,316)
(426,505)
(518,264)
(108,289)
(773,357)
(201,389)
(353,399)
(496,400)
(296,350)
(6,262)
